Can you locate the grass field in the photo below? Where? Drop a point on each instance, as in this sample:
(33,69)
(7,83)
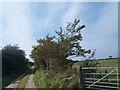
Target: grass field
(102,63)
(109,62)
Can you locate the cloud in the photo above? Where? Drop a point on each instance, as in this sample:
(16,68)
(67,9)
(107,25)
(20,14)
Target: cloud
(46,21)
(71,13)
(17,26)
(21,25)
(103,35)
(19,21)
(53,10)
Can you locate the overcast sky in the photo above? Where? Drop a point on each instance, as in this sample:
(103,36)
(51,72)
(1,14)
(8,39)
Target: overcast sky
(23,23)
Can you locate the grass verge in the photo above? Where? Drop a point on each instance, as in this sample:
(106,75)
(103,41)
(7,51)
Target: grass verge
(24,79)
(39,79)
(23,82)
(65,79)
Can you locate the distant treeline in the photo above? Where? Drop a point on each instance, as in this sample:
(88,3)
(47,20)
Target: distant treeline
(13,60)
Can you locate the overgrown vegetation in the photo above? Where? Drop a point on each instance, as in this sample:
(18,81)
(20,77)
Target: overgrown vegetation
(51,52)
(50,57)
(56,80)
(13,60)
(14,63)
(102,62)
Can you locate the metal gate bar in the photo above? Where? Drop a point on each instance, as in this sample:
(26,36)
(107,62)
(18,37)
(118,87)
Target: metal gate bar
(92,84)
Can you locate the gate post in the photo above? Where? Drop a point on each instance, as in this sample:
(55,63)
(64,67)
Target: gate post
(107,76)
(81,78)
(118,77)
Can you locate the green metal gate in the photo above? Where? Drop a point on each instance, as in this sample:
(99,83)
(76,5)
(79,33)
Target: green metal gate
(101,78)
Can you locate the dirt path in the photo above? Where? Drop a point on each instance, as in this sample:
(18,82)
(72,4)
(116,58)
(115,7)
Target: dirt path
(30,83)
(15,83)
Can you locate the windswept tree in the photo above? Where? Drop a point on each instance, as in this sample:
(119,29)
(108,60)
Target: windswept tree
(52,51)
(69,40)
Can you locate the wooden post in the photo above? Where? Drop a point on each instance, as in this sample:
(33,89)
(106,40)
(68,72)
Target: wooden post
(118,78)
(81,78)
(99,76)
(107,76)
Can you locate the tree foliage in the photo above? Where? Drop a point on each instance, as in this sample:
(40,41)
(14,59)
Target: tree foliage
(70,38)
(13,60)
(52,51)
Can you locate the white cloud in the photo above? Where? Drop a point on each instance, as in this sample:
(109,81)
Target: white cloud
(17,25)
(53,10)
(47,23)
(104,33)
(18,28)
(71,13)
